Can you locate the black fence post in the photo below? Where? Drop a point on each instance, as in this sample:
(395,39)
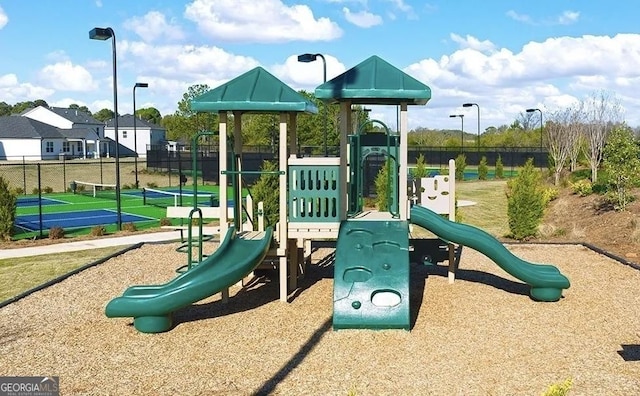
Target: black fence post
(39,201)
(64,175)
(101,181)
(24,175)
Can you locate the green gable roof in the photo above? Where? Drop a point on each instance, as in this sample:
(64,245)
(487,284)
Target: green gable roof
(374,81)
(254,91)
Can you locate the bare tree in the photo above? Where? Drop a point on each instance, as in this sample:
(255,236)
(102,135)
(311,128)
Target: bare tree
(527,121)
(602,111)
(557,129)
(575,133)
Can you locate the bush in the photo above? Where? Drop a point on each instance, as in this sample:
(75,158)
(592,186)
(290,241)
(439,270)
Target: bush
(483,169)
(499,168)
(421,167)
(267,191)
(621,159)
(7,210)
(98,230)
(152,185)
(129,227)
(56,232)
(35,191)
(165,221)
(47,190)
(549,194)
(525,202)
(383,193)
(18,191)
(461,164)
(561,389)
(582,187)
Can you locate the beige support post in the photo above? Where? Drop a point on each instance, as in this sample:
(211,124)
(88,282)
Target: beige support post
(403,203)
(283,229)
(452,217)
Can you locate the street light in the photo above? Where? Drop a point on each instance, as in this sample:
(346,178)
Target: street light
(541,124)
(135,133)
(105,34)
(462,129)
(478,106)
(306,58)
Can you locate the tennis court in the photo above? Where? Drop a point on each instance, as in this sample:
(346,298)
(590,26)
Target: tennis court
(35,201)
(85,218)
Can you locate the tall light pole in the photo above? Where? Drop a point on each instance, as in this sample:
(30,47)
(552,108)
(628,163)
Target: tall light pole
(105,34)
(135,132)
(306,58)
(541,124)
(462,129)
(478,106)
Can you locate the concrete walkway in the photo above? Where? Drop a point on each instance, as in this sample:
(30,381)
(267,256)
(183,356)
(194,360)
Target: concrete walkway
(123,241)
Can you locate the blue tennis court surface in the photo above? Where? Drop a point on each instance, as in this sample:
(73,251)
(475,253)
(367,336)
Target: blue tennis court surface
(85,218)
(34,201)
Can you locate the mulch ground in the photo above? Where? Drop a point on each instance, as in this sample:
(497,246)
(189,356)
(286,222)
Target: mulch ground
(481,335)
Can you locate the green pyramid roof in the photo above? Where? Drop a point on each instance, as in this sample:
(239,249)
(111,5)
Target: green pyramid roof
(374,81)
(254,91)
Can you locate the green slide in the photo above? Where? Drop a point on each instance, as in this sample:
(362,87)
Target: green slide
(546,281)
(152,306)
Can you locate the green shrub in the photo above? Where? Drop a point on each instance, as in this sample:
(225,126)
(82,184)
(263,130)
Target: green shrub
(18,191)
(47,190)
(8,204)
(461,164)
(582,187)
(549,194)
(561,389)
(621,159)
(152,185)
(267,191)
(421,167)
(56,232)
(483,169)
(165,221)
(525,202)
(98,230)
(499,168)
(383,192)
(129,227)
(35,191)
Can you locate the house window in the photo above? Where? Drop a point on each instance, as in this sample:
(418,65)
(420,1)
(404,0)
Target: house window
(49,147)
(124,134)
(65,147)
(80,147)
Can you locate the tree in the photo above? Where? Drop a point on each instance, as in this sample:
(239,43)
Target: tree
(7,210)
(602,112)
(103,115)
(185,122)
(558,142)
(267,191)
(5,109)
(84,109)
(621,160)
(18,108)
(150,114)
(525,202)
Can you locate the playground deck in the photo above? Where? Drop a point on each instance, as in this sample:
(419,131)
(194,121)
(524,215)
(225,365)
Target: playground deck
(481,335)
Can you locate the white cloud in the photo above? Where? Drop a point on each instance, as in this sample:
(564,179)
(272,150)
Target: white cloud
(568,17)
(307,76)
(363,19)
(473,43)
(4,19)
(519,17)
(8,80)
(153,26)
(404,8)
(185,62)
(13,91)
(66,76)
(259,21)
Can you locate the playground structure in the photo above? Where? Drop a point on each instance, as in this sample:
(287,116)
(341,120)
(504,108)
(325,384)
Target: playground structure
(322,198)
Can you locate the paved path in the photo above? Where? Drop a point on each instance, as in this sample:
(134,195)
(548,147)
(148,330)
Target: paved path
(90,244)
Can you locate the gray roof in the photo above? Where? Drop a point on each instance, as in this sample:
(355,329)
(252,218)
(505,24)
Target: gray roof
(17,127)
(126,121)
(79,133)
(75,116)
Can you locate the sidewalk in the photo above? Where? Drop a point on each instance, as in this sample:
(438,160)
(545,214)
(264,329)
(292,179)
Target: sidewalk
(90,244)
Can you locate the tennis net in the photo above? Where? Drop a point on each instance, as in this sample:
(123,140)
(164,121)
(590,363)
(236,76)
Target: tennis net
(96,190)
(165,199)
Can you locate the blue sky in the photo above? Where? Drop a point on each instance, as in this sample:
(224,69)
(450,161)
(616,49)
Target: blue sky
(504,55)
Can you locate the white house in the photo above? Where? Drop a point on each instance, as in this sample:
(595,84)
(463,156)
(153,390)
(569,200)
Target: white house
(83,133)
(135,140)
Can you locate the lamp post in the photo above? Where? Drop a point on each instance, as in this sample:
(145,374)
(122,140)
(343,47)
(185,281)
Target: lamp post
(105,34)
(478,106)
(306,58)
(462,129)
(135,132)
(541,124)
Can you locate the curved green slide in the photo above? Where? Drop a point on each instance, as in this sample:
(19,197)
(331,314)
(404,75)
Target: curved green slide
(546,281)
(152,306)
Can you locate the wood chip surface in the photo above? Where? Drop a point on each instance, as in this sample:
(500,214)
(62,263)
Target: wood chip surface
(481,335)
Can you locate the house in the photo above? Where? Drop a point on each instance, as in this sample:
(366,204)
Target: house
(84,134)
(135,141)
(23,138)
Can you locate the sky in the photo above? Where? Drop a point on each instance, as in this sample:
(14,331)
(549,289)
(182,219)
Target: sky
(505,56)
